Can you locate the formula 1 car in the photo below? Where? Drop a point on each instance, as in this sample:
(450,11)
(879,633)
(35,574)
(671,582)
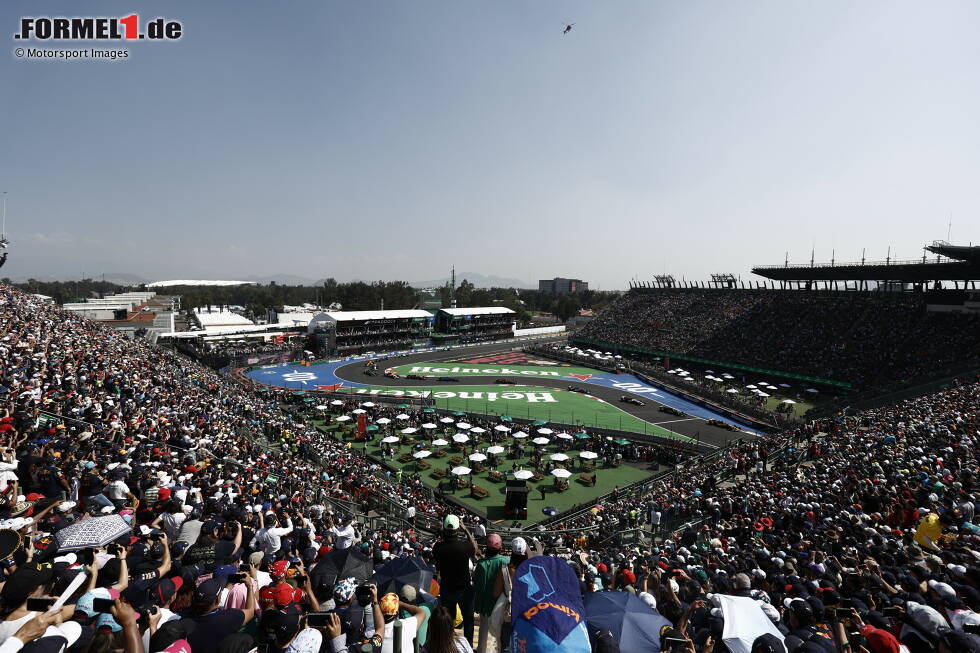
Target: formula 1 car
(626,399)
(502,381)
(450,379)
(722,425)
(672,411)
(392,375)
(417,377)
(580,390)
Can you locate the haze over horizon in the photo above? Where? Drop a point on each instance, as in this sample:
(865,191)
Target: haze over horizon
(394,140)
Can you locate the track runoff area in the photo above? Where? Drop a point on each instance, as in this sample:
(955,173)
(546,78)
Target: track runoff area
(466,379)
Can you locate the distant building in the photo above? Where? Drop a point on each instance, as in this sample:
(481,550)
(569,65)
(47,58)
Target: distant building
(562,286)
(131,312)
(356,332)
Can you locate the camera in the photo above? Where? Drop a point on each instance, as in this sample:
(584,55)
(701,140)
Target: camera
(363,595)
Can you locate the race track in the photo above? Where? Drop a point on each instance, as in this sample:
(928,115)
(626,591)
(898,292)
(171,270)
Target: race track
(605,386)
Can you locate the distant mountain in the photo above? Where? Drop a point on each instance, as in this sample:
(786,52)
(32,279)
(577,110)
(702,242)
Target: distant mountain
(478,280)
(122,278)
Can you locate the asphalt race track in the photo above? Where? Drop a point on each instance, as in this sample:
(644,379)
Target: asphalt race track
(690,426)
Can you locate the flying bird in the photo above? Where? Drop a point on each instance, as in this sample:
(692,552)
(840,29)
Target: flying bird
(568,28)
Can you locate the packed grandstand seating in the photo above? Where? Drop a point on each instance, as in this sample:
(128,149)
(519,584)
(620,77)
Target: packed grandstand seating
(220,530)
(860,338)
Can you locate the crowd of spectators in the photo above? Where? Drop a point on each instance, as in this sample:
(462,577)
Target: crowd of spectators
(860,338)
(851,533)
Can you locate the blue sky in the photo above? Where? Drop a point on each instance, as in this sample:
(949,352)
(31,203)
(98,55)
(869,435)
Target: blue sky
(382,139)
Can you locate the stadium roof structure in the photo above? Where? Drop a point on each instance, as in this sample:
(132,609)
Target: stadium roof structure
(486,310)
(351,316)
(953,263)
(199,282)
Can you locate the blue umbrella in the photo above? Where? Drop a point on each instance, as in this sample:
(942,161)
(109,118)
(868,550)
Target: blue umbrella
(631,621)
(398,572)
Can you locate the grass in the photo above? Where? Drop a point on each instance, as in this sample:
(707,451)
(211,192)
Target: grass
(607,479)
(552,405)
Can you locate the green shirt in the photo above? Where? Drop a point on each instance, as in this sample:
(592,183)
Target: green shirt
(484,579)
(423,631)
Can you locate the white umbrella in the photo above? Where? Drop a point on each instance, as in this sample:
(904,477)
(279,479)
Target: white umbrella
(519,434)
(369,404)
(461,437)
(523,474)
(785,385)
(501,428)
(428,425)
(751,387)
(709,371)
(409,430)
(358,411)
(563,436)
(391,439)
(461,471)
(447,420)
(421,454)
(342,418)
(477,429)
(588,455)
(478,457)
(559,457)
(440,442)
(401,416)
(545,431)
(561,473)
(764,394)
(464,426)
(383,420)
(336,402)
(788,401)
(812,390)
(671,372)
(322,407)
(732,391)
(728,376)
(541,441)
(495,450)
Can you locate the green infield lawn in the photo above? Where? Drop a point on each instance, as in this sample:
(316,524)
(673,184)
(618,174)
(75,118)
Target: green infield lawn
(546,404)
(471,369)
(607,478)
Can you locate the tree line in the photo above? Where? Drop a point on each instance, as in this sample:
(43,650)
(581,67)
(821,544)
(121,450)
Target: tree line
(351,296)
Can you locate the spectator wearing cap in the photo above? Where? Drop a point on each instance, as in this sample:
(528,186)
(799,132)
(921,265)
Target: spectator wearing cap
(212,622)
(408,603)
(452,555)
(485,576)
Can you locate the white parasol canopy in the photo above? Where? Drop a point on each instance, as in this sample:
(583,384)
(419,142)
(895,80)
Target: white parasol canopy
(461,471)
(447,420)
(561,473)
(391,439)
(501,428)
(478,457)
(545,431)
(496,449)
(464,426)
(478,430)
(440,442)
(541,441)
(409,430)
(560,457)
(428,425)
(523,474)
(401,416)
(358,411)
(383,420)
(461,437)
(421,454)
(563,436)
(342,418)
(588,455)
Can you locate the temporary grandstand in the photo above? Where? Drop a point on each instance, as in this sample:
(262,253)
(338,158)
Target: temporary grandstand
(351,332)
(464,325)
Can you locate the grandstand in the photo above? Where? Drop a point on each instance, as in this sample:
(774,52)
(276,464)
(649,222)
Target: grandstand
(465,325)
(352,332)
(841,327)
